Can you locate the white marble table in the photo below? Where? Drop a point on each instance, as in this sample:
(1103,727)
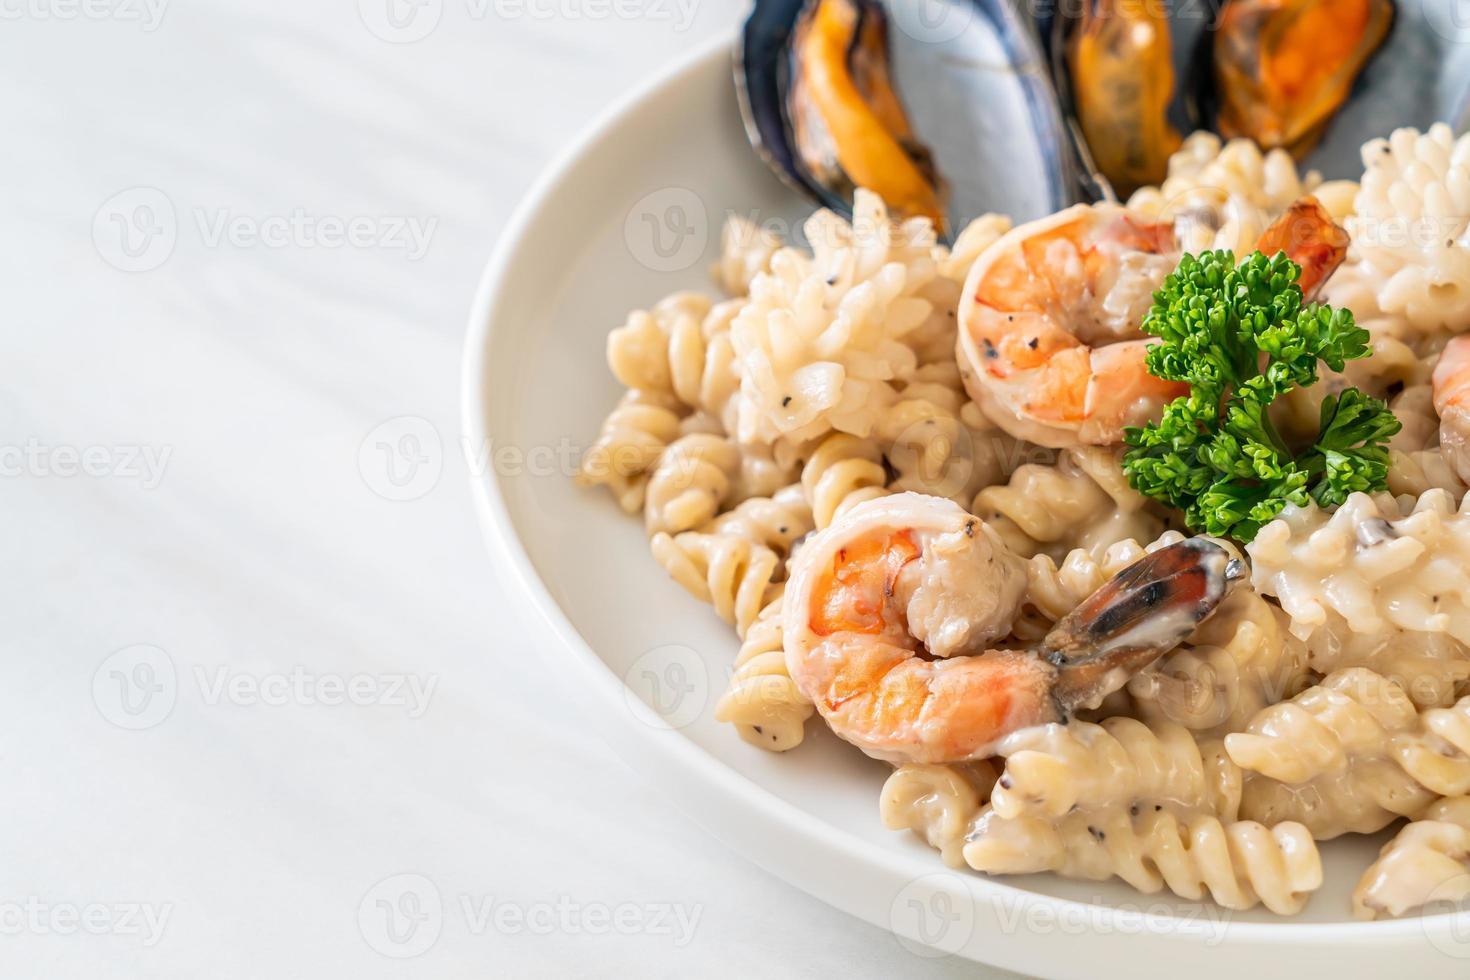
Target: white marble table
(243,687)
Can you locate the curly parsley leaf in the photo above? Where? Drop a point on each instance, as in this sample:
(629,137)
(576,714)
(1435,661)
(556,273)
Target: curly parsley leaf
(1241,337)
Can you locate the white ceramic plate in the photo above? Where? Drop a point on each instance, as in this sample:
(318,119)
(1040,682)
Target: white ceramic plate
(671,162)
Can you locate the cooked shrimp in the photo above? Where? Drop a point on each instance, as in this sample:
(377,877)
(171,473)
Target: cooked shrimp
(1451,386)
(1310,238)
(1049,325)
(1050,344)
(889,613)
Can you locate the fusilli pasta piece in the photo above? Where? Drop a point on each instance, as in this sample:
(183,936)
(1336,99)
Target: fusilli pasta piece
(776,521)
(933,452)
(822,339)
(1082,501)
(842,472)
(1428,861)
(1240,864)
(1325,758)
(1351,715)
(746,249)
(938,803)
(1430,667)
(1370,563)
(1054,590)
(762,701)
(1416,473)
(692,481)
(1409,256)
(1237,662)
(681,348)
(1051,770)
(633,437)
(977,236)
(1437,752)
(735,575)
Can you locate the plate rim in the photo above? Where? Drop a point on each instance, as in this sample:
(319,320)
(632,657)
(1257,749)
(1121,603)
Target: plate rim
(660,745)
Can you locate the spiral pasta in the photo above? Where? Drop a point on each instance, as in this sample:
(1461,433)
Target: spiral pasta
(1409,231)
(841,472)
(1437,752)
(1428,861)
(1052,770)
(735,575)
(821,339)
(1429,667)
(776,522)
(1325,758)
(938,803)
(761,700)
(1240,864)
(693,479)
(633,437)
(1352,714)
(934,452)
(1054,589)
(976,237)
(1370,562)
(1236,663)
(745,252)
(1082,501)
(681,348)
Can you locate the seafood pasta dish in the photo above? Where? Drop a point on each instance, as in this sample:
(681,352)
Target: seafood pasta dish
(1125,518)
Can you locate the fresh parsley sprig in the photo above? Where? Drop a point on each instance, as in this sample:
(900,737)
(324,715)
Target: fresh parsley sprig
(1241,337)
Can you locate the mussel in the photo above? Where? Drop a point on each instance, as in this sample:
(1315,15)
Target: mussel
(943,107)
(1316,77)
(952,108)
(1283,68)
(1121,50)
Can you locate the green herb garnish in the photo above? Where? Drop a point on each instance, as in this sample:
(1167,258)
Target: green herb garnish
(1241,337)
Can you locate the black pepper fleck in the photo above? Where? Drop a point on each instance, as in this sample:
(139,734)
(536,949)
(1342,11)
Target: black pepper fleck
(786,401)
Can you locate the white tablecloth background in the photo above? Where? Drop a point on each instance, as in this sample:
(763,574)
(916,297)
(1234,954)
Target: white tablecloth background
(186,491)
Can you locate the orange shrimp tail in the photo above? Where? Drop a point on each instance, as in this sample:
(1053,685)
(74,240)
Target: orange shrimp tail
(1311,239)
